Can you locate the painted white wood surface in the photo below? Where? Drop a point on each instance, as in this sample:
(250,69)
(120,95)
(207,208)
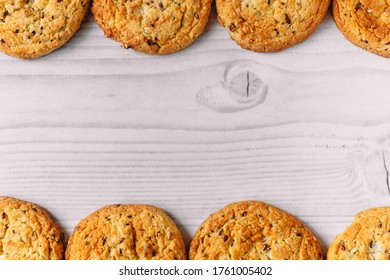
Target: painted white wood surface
(94,124)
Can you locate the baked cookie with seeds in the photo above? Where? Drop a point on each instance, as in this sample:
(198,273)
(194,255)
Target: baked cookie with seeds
(33,28)
(27,232)
(367,238)
(270,25)
(152,26)
(126,232)
(253,230)
(366,23)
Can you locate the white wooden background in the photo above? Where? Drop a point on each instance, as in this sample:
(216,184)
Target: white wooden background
(94,124)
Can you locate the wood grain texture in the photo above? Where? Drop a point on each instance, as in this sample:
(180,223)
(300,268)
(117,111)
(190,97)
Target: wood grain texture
(92,124)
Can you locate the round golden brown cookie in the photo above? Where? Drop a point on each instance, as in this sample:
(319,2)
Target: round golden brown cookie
(152,26)
(366,23)
(367,238)
(252,230)
(126,232)
(34,28)
(27,232)
(270,25)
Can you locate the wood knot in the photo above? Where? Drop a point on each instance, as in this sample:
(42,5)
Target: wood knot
(241,89)
(245,86)
(377,172)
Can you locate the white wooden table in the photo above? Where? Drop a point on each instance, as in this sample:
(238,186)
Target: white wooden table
(94,124)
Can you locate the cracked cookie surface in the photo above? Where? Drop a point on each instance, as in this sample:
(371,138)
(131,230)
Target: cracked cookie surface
(253,230)
(367,238)
(33,28)
(152,26)
(27,232)
(270,25)
(366,23)
(126,232)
